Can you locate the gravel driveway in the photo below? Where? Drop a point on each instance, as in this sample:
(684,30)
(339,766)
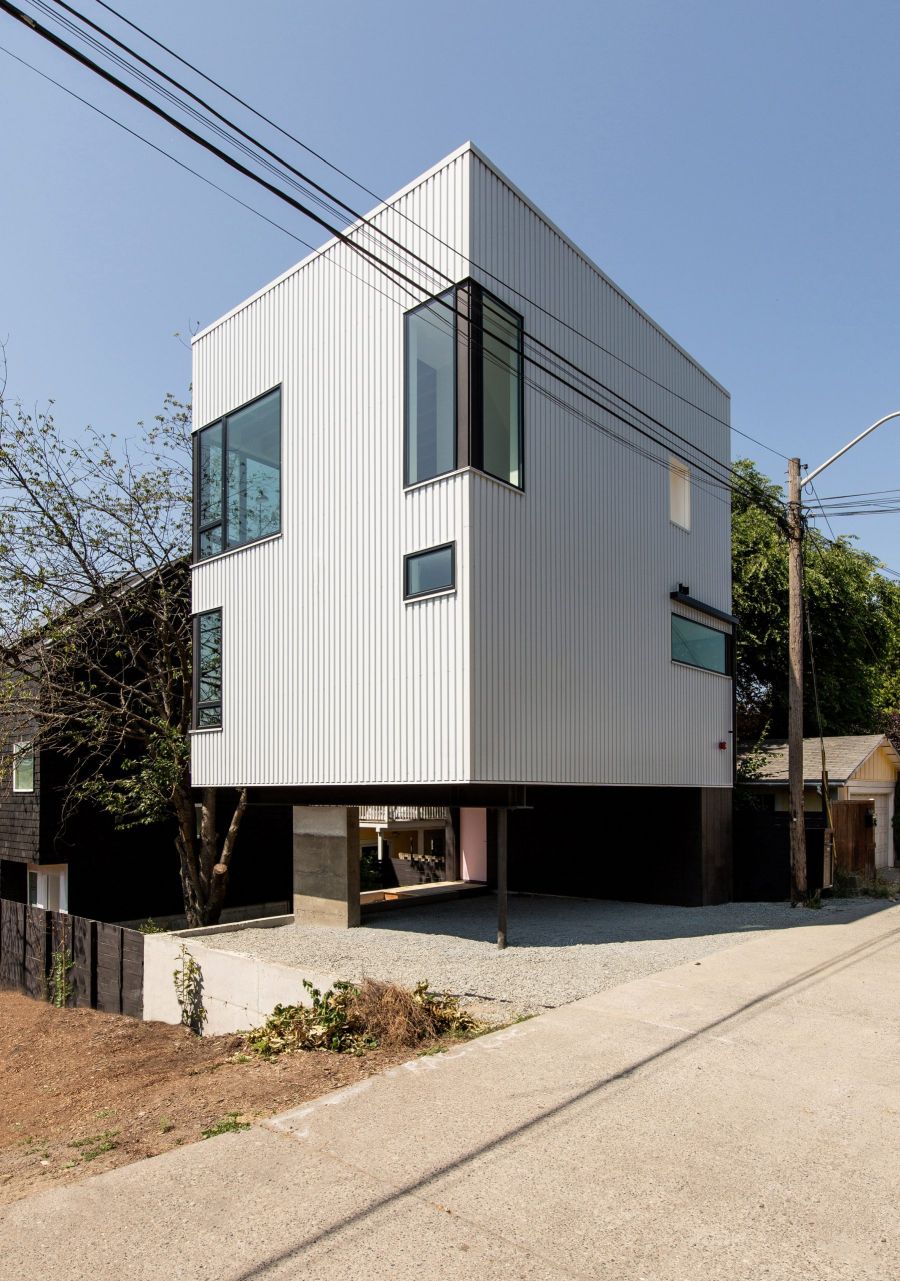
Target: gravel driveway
(560,948)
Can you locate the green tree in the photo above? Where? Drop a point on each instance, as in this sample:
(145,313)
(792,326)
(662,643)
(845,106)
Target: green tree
(854,617)
(95,627)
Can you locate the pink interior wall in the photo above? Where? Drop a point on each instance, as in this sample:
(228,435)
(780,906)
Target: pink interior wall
(473,844)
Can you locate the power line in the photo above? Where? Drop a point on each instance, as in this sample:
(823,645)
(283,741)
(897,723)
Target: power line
(377,262)
(644,453)
(44,7)
(72,52)
(860,631)
(181,164)
(319,195)
(428,231)
(865,493)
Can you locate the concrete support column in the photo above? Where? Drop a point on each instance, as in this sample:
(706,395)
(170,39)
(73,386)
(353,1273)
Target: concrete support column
(326,865)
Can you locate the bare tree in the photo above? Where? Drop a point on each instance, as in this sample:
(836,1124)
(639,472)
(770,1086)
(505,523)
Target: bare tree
(95,627)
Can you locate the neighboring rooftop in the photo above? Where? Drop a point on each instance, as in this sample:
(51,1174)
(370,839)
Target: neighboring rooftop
(843,757)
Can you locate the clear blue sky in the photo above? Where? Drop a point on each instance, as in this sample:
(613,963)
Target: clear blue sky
(732,166)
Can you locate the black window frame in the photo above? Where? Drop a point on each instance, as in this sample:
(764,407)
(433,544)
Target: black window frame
(199,530)
(196,704)
(432,591)
(729,647)
(407,424)
(468,357)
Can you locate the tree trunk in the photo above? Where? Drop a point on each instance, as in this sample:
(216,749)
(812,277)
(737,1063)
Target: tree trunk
(204,866)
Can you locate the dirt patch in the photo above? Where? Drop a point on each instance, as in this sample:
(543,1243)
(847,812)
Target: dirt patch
(84,1092)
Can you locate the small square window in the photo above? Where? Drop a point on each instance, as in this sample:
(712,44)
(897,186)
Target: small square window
(23,767)
(679,493)
(425,573)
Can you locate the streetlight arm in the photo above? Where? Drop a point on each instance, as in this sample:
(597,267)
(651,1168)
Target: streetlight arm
(855,441)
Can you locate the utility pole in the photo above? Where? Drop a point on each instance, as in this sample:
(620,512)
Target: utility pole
(799,885)
(795,683)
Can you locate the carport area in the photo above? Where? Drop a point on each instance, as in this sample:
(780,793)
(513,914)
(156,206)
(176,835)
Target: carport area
(560,949)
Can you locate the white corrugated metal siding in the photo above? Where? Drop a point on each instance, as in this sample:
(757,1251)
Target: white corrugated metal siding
(551,662)
(328,676)
(572,677)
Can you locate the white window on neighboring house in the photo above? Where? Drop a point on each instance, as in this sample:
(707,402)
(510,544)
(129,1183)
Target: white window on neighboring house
(48,886)
(679,493)
(23,767)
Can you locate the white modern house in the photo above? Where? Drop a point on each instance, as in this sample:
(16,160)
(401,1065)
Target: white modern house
(457,544)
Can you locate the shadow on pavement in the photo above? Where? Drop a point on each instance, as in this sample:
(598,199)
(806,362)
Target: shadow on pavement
(806,979)
(543,921)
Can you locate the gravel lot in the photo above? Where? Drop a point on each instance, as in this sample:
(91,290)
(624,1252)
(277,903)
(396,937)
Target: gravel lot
(560,949)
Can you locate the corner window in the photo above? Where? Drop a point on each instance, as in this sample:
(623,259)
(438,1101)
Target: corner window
(700,646)
(497,437)
(208,670)
(431,389)
(23,767)
(425,573)
(679,493)
(237,478)
(464,378)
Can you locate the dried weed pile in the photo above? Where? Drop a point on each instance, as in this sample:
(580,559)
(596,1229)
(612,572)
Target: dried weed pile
(350,1019)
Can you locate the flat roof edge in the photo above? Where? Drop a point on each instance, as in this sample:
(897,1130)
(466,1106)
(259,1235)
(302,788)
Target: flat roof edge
(332,241)
(473,149)
(586,258)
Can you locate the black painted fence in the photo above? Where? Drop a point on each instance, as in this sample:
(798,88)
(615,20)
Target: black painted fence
(107,961)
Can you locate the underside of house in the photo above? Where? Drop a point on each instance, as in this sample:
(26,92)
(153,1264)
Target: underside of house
(643,844)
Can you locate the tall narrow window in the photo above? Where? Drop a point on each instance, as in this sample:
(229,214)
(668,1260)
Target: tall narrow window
(679,493)
(237,468)
(431,389)
(208,670)
(464,401)
(23,767)
(500,452)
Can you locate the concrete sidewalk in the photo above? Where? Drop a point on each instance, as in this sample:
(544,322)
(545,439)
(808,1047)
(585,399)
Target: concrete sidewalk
(735,1119)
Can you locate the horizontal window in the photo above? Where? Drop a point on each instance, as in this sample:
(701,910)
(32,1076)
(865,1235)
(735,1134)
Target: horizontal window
(700,646)
(23,767)
(208,669)
(237,478)
(430,571)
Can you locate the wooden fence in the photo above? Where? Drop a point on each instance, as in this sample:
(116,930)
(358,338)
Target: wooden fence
(107,961)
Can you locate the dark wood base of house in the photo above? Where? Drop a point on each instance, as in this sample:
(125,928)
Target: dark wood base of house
(645,845)
(652,845)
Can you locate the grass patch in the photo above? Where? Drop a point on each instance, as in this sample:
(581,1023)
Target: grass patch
(860,885)
(350,1020)
(229,1124)
(95,1144)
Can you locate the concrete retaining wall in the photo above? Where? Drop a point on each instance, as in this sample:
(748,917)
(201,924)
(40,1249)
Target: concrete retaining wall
(239,992)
